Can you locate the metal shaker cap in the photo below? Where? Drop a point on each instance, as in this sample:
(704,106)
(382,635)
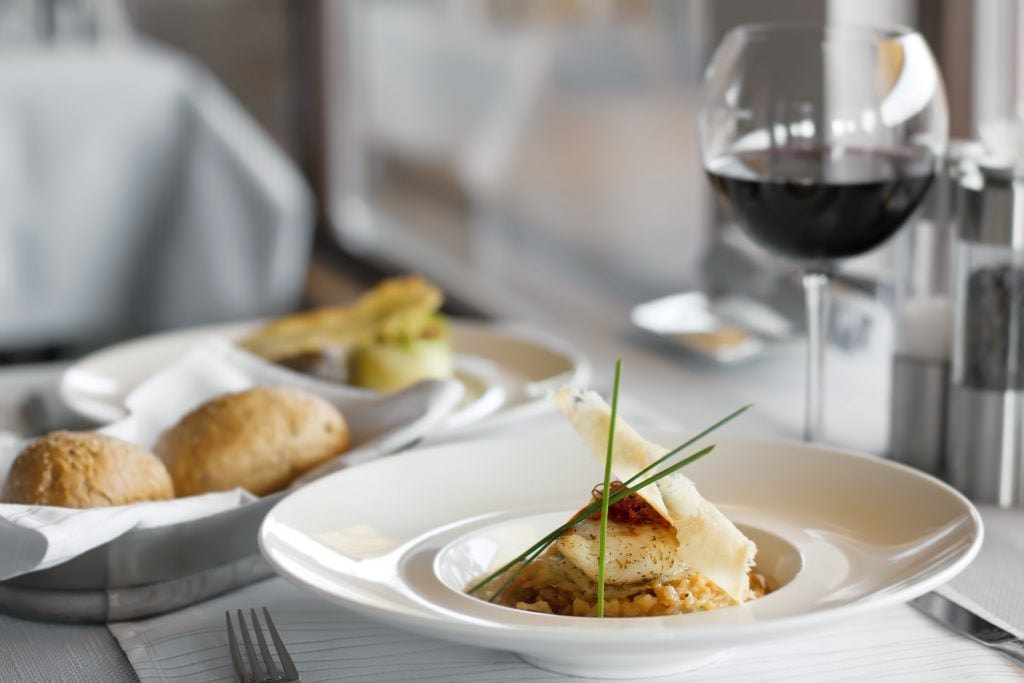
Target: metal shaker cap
(991,204)
(940,201)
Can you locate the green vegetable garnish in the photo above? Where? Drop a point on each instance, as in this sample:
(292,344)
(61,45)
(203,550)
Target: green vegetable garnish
(605,498)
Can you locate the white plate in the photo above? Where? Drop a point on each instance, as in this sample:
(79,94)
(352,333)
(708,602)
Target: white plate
(506,371)
(397,538)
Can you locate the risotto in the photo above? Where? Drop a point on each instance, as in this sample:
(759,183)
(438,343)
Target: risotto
(553,585)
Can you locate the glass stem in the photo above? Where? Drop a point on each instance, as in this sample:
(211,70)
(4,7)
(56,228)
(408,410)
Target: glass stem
(816,295)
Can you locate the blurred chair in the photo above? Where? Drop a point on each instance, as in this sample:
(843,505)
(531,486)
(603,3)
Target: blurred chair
(137,195)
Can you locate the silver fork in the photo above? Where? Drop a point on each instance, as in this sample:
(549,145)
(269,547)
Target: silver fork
(268,672)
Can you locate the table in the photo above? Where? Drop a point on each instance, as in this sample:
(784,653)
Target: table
(896,643)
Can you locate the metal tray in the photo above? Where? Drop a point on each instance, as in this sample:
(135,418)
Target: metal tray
(146,572)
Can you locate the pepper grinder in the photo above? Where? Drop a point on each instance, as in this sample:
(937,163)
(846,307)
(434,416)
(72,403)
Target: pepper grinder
(923,322)
(985,457)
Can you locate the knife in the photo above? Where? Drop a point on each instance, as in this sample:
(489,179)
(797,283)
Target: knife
(960,620)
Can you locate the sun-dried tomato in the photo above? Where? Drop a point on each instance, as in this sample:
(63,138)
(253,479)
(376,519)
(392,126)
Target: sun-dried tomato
(632,509)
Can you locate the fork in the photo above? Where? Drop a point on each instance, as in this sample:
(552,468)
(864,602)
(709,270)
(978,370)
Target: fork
(268,672)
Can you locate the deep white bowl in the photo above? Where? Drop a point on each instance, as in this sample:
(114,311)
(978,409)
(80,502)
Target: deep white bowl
(841,533)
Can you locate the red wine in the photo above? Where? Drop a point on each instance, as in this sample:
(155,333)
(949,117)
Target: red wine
(818,203)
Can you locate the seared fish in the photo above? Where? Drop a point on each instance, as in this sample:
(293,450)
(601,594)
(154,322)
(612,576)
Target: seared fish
(635,552)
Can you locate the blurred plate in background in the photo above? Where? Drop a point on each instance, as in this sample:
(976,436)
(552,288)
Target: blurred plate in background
(506,370)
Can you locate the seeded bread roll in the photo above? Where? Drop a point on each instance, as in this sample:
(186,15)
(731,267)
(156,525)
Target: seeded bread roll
(84,470)
(260,439)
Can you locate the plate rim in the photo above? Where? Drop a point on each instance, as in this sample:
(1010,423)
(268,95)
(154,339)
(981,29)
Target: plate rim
(709,635)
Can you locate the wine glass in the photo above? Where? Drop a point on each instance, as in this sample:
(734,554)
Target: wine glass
(821,140)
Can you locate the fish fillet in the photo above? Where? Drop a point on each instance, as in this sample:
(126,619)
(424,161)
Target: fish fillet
(635,552)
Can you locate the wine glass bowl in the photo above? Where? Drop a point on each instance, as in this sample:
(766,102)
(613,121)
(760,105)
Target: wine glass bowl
(808,203)
(821,141)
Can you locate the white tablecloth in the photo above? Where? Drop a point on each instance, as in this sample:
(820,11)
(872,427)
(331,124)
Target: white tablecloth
(137,194)
(331,643)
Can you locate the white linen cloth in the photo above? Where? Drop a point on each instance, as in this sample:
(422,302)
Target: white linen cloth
(37,537)
(137,195)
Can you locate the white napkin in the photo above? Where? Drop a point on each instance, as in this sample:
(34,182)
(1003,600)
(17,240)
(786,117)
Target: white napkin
(990,586)
(38,537)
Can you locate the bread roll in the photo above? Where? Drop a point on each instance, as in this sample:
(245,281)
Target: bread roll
(260,439)
(83,470)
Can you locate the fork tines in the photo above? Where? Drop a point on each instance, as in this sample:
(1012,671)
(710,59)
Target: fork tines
(255,673)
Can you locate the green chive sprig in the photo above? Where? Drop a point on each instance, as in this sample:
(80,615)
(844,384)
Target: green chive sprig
(605,498)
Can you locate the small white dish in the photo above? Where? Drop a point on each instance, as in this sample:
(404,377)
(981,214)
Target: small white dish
(840,534)
(504,370)
(727,330)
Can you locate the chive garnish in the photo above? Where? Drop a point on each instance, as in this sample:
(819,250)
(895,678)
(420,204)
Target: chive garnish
(605,498)
(689,442)
(628,487)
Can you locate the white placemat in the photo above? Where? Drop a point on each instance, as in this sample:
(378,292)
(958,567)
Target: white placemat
(330,643)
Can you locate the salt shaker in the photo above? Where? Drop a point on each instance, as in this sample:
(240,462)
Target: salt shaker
(985,456)
(923,321)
